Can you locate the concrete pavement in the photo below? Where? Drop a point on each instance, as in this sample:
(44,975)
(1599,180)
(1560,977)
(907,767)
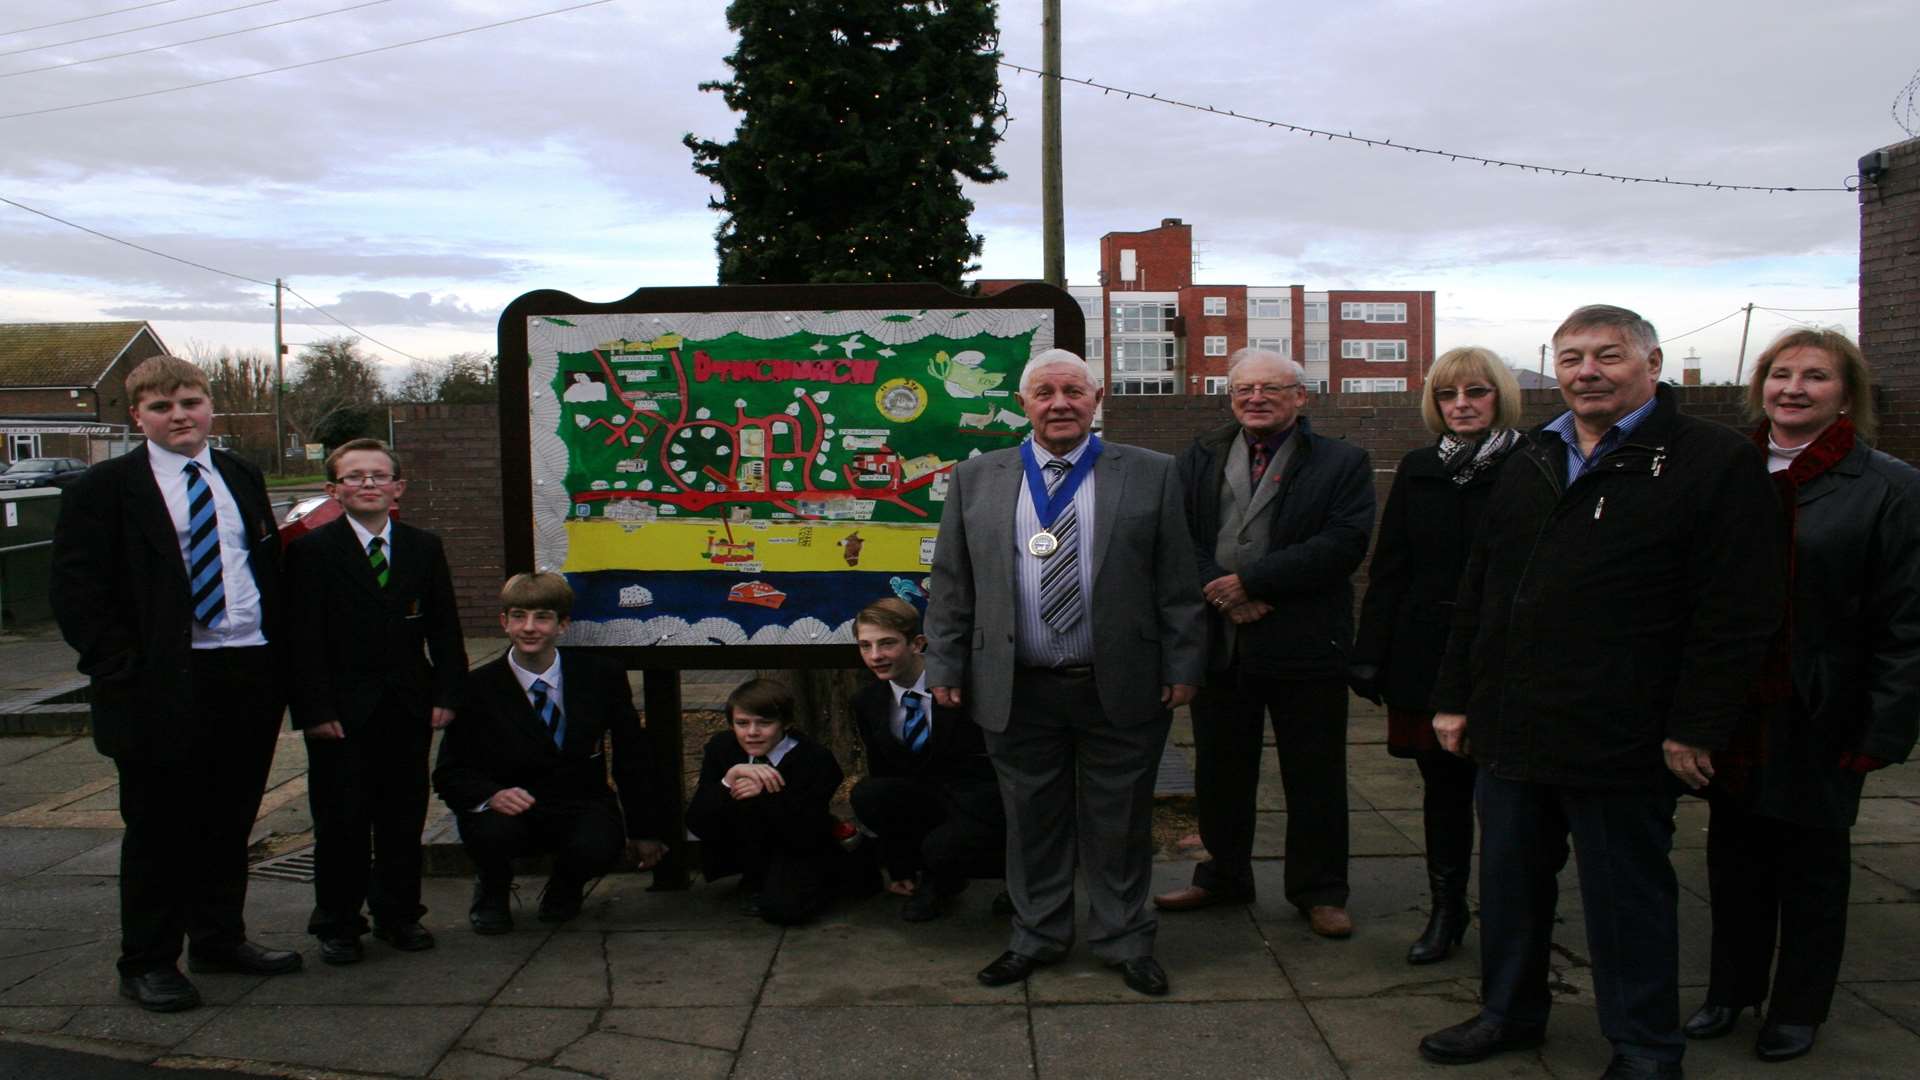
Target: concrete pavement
(678,984)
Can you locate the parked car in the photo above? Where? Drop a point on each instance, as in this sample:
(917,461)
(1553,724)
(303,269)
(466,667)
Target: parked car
(309,514)
(41,472)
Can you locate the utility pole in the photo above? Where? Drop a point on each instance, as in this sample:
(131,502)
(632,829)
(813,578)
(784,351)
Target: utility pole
(1744,327)
(279,387)
(1053,213)
(1543,361)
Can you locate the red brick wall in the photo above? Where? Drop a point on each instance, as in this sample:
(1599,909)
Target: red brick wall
(1196,364)
(1417,332)
(1890,297)
(452,455)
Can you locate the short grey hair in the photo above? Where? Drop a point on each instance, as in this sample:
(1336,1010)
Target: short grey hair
(1637,330)
(1056,358)
(1244,355)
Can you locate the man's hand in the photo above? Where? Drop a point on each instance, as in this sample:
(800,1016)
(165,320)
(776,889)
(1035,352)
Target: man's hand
(1251,611)
(1691,764)
(646,854)
(1176,695)
(510,801)
(1451,729)
(1225,592)
(747,780)
(329,730)
(441,717)
(947,697)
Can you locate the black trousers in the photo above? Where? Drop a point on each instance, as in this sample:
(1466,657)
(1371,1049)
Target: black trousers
(1775,880)
(951,831)
(1446,805)
(368,793)
(793,885)
(585,838)
(1310,734)
(1628,890)
(189,800)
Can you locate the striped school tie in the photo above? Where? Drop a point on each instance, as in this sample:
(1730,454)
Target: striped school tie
(1061,604)
(913,726)
(548,710)
(378,560)
(209,591)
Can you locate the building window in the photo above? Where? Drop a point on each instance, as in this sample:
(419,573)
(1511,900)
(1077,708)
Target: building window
(1143,354)
(1267,307)
(1143,316)
(1216,384)
(1283,346)
(1089,306)
(1372,386)
(1215,345)
(1314,386)
(1316,311)
(1213,305)
(1138,386)
(1374,313)
(21,447)
(1375,351)
(1096,348)
(1316,350)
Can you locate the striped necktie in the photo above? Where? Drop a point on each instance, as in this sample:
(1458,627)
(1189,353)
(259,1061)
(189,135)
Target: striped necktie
(203,551)
(548,710)
(1061,604)
(914,728)
(378,560)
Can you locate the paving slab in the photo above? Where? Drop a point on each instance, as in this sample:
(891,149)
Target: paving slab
(716,1027)
(1899,1001)
(118,1023)
(855,1042)
(1386,782)
(462,969)
(568,970)
(100,860)
(1371,963)
(1880,942)
(70,903)
(617,1056)
(1377,1038)
(1899,863)
(55,779)
(1368,833)
(526,1034)
(864,954)
(1901,781)
(29,851)
(472,1065)
(35,1018)
(690,967)
(405,1040)
(1233,1038)
(1887,821)
(15,749)
(626,902)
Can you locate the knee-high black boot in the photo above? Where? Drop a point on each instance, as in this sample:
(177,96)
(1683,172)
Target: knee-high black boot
(1450,918)
(1447,804)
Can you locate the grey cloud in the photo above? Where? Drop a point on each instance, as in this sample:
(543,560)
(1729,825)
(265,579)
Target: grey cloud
(360,308)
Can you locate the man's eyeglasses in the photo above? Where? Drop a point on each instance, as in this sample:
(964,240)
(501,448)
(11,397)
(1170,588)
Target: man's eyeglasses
(366,480)
(1261,389)
(1447,394)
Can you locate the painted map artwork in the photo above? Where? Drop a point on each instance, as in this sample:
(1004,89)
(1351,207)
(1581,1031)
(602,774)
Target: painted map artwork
(755,478)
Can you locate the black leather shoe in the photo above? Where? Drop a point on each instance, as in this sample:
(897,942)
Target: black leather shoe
(339,950)
(1010,967)
(561,900)
(490,913)
(245,958)
(1710,1021)
(1143,974)
(1478,1039)
(407,937)
(160,991)
(1784,1042)
(1623,1067)
(925,903)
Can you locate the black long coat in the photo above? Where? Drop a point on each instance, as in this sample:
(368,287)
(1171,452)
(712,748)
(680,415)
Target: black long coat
(1425,533)
(1855,640)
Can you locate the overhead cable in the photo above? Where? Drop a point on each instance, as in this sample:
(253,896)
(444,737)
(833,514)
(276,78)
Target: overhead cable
(137,29)
(85,18)
(192,41)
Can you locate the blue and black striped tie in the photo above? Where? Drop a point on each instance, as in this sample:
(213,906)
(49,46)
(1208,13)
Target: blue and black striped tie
(913,725)
(548,710)
(203,551)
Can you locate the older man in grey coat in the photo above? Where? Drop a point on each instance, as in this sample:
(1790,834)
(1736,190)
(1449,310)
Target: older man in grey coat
(1067,616)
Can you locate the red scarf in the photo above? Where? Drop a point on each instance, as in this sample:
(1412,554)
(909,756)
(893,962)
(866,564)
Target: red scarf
(1747,749)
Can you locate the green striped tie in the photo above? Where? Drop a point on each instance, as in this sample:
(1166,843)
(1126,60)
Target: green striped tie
(378,560)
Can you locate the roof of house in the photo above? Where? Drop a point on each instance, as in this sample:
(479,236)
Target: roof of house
(63,354)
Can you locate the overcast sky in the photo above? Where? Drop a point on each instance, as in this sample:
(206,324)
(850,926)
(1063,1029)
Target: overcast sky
(413,192)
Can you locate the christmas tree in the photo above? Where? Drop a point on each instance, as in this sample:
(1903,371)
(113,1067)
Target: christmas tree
(859,120)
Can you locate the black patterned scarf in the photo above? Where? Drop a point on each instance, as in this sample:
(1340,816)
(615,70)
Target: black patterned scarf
(1465,458)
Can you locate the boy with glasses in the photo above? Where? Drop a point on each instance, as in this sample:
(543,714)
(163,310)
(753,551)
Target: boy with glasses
(378,663)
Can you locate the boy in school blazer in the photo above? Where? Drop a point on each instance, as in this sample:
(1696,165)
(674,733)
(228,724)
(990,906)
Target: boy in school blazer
(166,580)
(378,662)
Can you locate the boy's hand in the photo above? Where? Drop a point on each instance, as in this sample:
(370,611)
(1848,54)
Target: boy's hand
(745,781)
(646,854)
(441,717)
(510,801)
(329,730)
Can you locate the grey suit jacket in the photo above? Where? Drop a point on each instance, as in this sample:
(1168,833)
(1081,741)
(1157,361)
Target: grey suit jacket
(1149,626)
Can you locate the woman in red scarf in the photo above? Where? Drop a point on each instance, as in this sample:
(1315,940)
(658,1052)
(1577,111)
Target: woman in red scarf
(1841,697)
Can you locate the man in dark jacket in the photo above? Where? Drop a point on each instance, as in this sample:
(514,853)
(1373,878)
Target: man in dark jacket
(1615,608)
(1280,519)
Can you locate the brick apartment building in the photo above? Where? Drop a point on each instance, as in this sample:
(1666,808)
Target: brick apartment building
(1159,333)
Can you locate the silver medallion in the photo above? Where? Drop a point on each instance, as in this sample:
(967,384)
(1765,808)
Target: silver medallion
(1042,544)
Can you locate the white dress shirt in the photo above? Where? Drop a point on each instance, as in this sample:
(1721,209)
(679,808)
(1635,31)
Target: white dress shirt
(242,625)
(897,719)
(1037,644)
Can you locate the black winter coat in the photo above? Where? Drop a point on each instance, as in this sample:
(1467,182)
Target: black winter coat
(1598,618)
(1855,640)
(1319,531)
(1425,533)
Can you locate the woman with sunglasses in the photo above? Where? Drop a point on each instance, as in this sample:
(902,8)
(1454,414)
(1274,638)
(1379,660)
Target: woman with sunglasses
(1439,492)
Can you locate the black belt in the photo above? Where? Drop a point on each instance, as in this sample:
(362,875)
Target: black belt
(1064,671)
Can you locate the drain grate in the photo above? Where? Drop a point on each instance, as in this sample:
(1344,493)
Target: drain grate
(295,866)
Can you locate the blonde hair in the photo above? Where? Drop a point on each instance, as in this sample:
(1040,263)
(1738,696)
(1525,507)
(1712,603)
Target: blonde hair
(1472,362)
(1846,355)
(163,375)
(540,590)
